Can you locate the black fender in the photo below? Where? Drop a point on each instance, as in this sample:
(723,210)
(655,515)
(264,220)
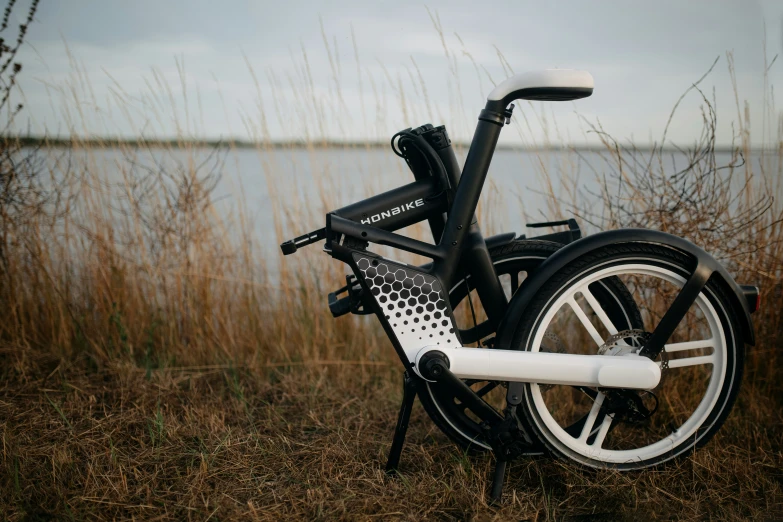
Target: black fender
(500,239)
(705,266)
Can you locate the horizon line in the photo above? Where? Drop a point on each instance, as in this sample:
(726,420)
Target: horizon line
(113,141)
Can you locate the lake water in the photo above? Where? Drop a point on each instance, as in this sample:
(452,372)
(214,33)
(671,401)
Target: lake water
(300,185)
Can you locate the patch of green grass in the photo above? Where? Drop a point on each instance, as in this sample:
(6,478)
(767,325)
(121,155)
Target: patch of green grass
(60,412)
(156,429)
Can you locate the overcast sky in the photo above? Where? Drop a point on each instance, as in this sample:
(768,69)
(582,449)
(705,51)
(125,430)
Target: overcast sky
(642,54)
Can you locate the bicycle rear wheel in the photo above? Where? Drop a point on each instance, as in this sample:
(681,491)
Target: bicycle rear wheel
(624,429)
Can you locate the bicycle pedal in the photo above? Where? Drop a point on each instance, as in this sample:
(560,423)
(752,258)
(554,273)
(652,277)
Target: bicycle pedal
(339,306)
(353,302)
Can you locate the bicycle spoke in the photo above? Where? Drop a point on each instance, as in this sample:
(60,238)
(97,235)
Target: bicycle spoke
(602,432)
(690,345)
(591,418)
(690,361)
(599,311)
(471,335)
(480,392)
(585,321)
(487,388)
(514,282)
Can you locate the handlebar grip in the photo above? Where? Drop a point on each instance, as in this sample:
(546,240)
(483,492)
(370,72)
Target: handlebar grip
(292,245)
(288,247)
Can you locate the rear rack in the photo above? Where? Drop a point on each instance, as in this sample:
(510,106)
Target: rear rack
(572,234)
(292,245)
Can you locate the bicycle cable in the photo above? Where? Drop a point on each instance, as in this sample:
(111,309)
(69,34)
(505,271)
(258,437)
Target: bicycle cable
(405,138)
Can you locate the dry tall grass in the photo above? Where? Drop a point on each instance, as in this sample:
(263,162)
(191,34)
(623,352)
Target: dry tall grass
(154,365)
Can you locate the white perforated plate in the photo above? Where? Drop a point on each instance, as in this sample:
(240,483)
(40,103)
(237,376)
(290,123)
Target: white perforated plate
(414,303)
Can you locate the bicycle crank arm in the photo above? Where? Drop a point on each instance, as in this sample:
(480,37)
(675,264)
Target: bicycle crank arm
(606,371)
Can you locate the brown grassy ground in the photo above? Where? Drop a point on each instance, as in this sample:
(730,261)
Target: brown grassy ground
(309,442)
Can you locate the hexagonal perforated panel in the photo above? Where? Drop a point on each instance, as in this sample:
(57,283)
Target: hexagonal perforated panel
(415,305)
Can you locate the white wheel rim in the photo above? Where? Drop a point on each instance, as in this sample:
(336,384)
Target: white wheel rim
(717,358)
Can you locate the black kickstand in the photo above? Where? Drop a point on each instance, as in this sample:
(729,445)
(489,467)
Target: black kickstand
(497,481)
(408,396)
(507,440)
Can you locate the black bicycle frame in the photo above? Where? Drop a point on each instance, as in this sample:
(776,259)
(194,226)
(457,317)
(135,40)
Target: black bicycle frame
(461,250)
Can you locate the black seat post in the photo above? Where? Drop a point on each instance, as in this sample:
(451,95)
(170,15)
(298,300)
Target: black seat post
(466,197)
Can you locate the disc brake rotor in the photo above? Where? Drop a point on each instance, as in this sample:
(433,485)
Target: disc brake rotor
(621,343)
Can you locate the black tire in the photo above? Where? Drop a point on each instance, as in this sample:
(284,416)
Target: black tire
(728,383)
(515,257)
